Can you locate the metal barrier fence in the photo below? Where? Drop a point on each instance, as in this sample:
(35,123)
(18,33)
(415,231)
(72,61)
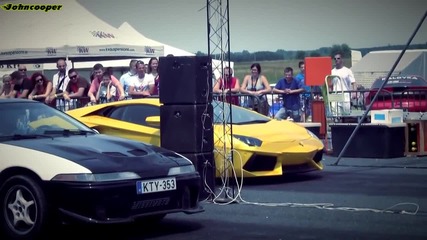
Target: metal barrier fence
(258,103)
(61,104)
(406,99)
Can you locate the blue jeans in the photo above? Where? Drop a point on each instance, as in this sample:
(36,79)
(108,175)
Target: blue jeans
(306,105)
(284,113)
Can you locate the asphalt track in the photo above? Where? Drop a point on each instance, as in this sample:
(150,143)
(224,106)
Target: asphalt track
(357,199)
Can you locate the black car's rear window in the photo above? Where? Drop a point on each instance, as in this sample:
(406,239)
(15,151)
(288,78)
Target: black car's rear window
(400,81)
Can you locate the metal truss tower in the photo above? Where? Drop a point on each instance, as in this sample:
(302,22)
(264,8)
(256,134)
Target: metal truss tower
(219,50)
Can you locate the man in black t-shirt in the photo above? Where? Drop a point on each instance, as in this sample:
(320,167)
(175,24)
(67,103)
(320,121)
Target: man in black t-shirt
(22,86)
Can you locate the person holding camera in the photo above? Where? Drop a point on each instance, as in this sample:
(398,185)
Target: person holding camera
(256,86)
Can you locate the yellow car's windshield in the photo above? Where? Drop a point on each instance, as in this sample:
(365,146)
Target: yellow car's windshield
(30,118)
(239,115)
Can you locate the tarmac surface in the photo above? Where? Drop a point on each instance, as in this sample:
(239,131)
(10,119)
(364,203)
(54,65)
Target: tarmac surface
(356,199)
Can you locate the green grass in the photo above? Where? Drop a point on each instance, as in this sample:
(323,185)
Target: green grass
(273,70)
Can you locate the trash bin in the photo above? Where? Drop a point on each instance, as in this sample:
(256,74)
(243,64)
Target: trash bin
(319,116)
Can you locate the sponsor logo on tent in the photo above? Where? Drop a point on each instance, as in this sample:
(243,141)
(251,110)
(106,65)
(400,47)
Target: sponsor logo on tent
(149,50)
(51,51)
(10,53)
(31,7)
(101,34)
(115,49)
(82,50)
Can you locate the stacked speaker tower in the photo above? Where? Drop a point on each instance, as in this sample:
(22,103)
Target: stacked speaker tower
(186,113)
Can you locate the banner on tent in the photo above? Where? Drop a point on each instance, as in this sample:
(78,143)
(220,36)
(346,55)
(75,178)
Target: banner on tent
(82,51)
(116,50)
(17,54)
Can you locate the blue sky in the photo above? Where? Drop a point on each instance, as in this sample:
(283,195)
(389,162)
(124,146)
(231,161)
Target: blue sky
(272,24)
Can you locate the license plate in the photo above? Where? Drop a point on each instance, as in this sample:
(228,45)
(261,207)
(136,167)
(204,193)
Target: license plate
(155,185)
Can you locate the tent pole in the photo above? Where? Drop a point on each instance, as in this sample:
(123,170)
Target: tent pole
(72,62)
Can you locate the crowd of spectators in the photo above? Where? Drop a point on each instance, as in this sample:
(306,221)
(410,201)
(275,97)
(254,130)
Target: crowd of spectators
(68,88)
(142,80)
(291,92)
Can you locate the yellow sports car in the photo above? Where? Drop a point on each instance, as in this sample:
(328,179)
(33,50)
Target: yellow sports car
(261,146)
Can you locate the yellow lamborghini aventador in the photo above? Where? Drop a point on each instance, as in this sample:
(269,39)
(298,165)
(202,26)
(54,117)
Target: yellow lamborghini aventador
(261,146)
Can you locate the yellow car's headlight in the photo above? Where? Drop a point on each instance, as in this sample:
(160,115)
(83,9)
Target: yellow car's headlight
(250,141)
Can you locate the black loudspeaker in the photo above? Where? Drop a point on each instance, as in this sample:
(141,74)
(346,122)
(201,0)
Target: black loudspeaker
(187,128)
(205,165)
(185,80)
(385,141)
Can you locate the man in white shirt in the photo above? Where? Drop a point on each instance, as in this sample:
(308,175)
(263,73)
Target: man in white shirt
(60,79)
(124,79)
(346,75)
(141,85)
(345,82)
(59,82)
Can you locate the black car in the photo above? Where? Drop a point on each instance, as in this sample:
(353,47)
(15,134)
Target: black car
(53,168)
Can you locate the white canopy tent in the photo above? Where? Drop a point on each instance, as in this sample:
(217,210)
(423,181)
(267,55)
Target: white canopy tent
(133,36)
(71,32)
(120,66)
(136,36)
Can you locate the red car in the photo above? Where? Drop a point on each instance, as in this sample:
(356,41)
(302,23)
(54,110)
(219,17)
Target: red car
(407,92)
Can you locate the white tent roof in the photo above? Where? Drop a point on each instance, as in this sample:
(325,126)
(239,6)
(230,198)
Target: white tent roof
(136,36)
(72,32)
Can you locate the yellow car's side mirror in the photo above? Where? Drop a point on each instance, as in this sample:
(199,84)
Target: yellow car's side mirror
(153,121)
